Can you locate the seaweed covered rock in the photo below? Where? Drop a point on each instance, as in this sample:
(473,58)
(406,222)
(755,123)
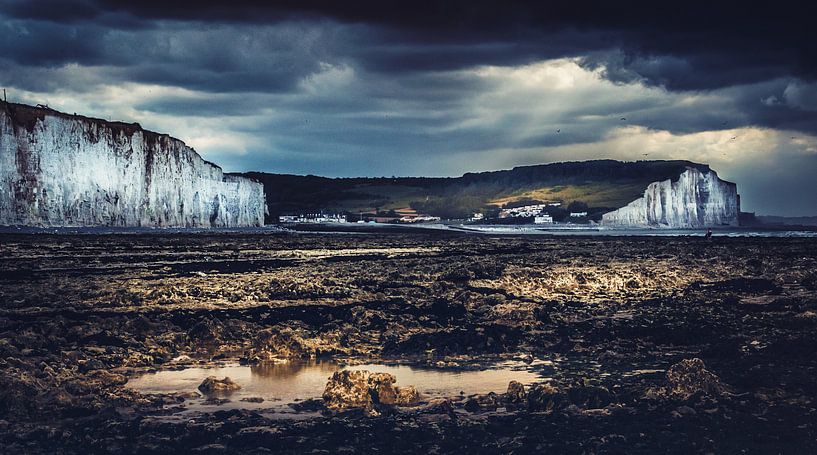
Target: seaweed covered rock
(364,389)
(215,385)
(407,396)
(18,390)
(545,397)
(690,376)
(487,402)
(295,341)
(516,392)
(589,396)
(348,389)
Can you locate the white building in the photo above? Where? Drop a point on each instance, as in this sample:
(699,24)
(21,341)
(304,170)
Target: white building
(543,219)
(419,219)
(312,218)
(578,214)
(524,211)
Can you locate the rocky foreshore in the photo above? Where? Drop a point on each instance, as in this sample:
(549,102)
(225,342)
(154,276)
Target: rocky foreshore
(636,340)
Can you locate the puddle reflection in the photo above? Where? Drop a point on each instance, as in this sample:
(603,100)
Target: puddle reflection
(288,382)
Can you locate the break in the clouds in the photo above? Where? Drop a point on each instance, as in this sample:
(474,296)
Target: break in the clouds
(384,88)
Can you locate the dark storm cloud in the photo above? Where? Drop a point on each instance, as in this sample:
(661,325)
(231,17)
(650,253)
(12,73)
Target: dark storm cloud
(217,58)
(706,44)
(411,88)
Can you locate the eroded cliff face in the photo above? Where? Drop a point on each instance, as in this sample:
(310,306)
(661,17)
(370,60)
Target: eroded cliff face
(696,199)
(64,170)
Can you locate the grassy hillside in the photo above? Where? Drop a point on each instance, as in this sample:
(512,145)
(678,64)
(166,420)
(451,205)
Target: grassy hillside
(602,185)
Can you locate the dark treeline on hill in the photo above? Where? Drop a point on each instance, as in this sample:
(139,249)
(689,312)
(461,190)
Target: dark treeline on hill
(600,185)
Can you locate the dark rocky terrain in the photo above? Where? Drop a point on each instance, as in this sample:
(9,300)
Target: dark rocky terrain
(663,345)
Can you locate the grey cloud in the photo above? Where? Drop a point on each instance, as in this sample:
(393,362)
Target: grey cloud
(378,89)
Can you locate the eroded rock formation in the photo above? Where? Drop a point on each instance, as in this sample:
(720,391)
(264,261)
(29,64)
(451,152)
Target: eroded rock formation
(696,199)
(67,170)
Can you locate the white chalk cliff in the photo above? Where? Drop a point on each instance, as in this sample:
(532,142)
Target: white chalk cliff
(697,199)
(68,170)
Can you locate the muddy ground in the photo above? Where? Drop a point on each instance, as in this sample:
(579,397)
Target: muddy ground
(81,314)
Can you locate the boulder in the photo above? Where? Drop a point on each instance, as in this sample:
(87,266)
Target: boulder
(381,387)
(407,395)
(589,396)
(215,385)
(348,389)
(545,397)
(364,389)
(516,393)
(487,402)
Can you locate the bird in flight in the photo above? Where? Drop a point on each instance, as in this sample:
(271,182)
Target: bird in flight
(559,130)
(623,118)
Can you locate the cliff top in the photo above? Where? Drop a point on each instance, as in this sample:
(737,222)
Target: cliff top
(26,116)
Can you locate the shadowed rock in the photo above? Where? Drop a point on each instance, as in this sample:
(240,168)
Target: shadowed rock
(516,393)
(214,385)
(407,395)
(544,397)
(690,376)
(487,402)
(589,396)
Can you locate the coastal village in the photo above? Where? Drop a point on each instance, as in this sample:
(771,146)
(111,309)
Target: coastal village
(538,213)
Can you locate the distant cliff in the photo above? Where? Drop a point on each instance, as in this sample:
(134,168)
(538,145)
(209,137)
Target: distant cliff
(696,199)
(67,170)
(603,185)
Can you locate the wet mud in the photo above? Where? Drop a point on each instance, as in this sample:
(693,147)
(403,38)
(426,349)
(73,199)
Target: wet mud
(635,344)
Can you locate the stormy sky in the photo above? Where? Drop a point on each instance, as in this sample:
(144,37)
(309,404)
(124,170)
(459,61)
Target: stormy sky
(380,88)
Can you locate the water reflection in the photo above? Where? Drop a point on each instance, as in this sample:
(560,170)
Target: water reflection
(281,383)
(291,370)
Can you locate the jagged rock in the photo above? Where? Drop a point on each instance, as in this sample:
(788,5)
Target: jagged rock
(589,396)
(363,389)
(18,390)
(690,376)
(698,198)
(208,330)
(290,343)
(382,389)
(487,402)
(406,395)
(62,170)
(516,393)
(348,389)
(544,397)
(215,385)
